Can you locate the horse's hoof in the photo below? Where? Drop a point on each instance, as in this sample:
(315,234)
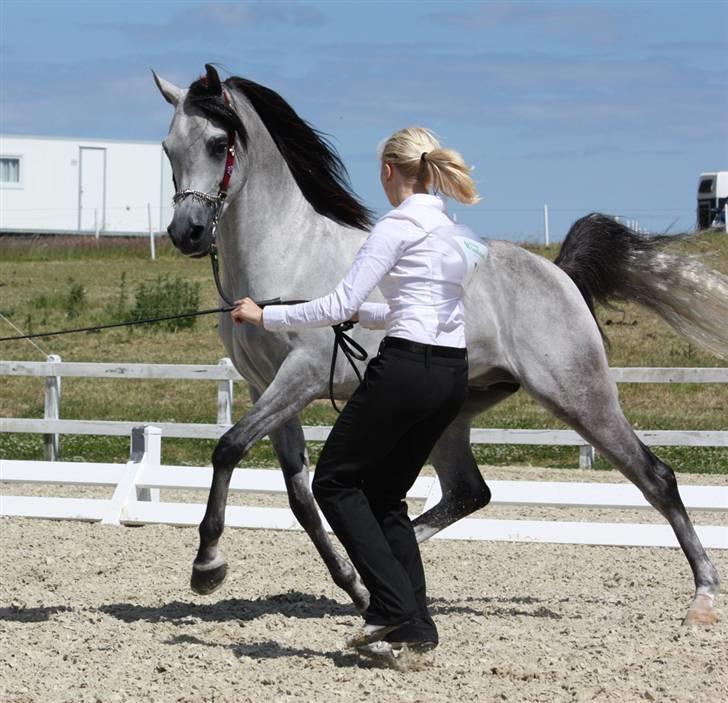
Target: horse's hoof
(698,616)
(701,612)
(206,581)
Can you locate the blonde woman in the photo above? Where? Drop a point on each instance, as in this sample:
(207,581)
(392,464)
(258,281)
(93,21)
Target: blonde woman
(412,389)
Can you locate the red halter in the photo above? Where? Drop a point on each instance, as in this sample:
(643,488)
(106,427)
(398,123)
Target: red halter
(230,159)
(222,189)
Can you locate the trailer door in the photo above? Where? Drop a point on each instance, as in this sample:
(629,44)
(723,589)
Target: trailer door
(706,200)
(91,189)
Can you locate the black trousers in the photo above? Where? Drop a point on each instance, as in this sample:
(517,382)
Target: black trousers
(370,460)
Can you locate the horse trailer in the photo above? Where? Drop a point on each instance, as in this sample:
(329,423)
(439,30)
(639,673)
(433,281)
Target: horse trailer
(712,197)
(87,186)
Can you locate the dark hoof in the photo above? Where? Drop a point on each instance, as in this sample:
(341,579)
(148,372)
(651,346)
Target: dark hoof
(208,581)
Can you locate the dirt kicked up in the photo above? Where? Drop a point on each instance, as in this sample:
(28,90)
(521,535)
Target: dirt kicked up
(91,613)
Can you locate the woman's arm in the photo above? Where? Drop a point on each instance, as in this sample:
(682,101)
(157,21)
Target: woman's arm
(379,253)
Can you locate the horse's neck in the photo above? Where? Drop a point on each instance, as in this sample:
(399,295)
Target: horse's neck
(273,243)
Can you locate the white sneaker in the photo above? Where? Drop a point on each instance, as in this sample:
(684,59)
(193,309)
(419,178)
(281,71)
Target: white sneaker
(379,650)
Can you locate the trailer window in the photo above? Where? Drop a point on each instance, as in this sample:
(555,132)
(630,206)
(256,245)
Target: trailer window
(9,169)
(706,186)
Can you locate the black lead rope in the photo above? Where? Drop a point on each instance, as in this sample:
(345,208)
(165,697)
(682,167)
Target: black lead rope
(216,267)
(129,323)
(350,348)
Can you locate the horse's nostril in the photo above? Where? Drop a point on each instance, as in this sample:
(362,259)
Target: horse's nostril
(196,232)
(170,231)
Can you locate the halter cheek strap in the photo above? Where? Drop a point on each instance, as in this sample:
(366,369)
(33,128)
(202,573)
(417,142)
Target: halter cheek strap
(229,163)
(229,159)
(222,188)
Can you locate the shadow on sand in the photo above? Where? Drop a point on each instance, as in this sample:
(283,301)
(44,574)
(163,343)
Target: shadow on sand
(269,649)
(292,604)
(14,613)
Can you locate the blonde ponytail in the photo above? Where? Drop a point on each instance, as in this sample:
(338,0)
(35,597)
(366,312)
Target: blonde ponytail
(417,153)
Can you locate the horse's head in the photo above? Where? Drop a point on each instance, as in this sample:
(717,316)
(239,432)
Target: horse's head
(276,149)
(203,132)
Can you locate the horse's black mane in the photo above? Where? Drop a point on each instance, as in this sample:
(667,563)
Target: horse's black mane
(313,161)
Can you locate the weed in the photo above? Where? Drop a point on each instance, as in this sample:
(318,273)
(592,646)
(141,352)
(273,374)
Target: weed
(76,300)
(118,310)
(167,296)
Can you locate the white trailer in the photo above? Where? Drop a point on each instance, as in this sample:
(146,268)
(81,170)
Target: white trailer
(90,186)
(712,197)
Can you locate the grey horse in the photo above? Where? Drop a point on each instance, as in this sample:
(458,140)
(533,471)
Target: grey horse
(289,226)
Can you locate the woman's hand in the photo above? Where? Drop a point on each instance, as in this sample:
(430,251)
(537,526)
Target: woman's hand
(247,311)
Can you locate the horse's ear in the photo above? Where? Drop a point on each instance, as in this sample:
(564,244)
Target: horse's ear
(171,92)
(213,79)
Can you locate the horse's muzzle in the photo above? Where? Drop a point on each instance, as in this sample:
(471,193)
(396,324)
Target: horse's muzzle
(191,232)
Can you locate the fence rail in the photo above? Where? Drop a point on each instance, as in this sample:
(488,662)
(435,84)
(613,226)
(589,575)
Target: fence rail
(224,374)
(319,433)
(224,370)
(136,499)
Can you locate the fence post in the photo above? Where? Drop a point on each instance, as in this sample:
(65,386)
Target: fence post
(225,396)
(145,451)
(96,222)
(151,439)
(52,410)
(151,231)
(546,224)
(586,457)
(725,217)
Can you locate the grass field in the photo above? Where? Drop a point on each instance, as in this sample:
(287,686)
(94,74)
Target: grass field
(51,283)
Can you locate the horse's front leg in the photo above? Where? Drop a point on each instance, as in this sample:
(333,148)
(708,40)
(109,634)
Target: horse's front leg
(290,447)
(295,386)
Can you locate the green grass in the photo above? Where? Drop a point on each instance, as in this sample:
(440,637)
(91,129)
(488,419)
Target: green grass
(40,287)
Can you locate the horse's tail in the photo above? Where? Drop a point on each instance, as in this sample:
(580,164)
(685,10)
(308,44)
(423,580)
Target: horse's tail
(608,260)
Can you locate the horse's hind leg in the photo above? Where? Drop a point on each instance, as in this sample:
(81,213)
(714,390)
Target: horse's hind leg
(290,447)
(585,396)
(463,489)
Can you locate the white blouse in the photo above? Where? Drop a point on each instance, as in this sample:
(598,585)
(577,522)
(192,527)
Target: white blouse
(417,259)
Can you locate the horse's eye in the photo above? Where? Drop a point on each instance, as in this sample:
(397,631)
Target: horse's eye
(217,147)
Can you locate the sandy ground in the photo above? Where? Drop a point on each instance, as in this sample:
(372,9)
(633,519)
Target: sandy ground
(93,613)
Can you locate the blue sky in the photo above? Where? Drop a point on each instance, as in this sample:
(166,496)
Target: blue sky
(609,106)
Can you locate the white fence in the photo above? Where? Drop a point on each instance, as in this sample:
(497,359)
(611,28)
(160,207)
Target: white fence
(136,485)
(224,374)
(136,500)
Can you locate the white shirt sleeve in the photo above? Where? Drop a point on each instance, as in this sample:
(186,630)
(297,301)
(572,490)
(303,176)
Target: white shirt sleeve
(373,316)
(380,252)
